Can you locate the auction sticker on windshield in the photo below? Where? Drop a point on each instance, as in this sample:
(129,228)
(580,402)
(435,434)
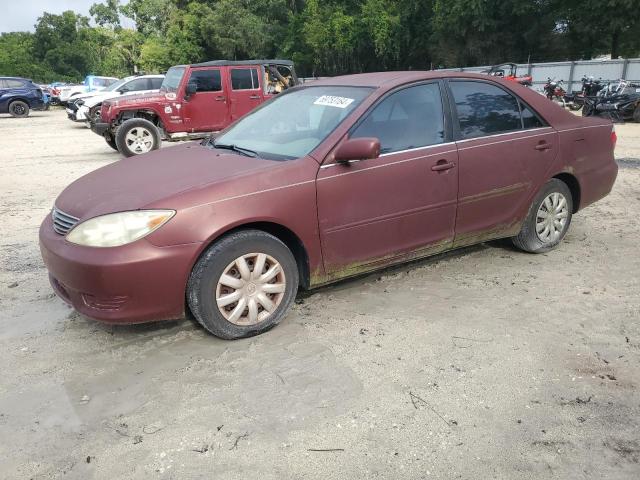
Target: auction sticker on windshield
(333,101)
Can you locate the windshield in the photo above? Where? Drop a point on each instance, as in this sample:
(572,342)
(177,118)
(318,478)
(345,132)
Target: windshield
(172,80)
(294,123)
(116,85)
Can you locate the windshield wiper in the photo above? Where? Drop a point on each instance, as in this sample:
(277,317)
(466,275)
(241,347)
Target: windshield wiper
(235,148)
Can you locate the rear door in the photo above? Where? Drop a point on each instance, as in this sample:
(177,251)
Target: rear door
(207,109)
(246,90)
(505,150)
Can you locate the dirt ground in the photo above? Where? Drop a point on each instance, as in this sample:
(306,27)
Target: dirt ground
(483,363)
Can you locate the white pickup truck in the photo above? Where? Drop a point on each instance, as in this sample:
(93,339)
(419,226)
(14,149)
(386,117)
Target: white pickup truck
(91,83)
(81,107)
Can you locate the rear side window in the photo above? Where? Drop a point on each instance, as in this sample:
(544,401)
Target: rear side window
(410,118)
(244,79)
(155,83)
(206,80)
(14,83)
(484,109)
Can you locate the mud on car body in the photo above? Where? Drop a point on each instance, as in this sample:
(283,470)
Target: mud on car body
(193,101)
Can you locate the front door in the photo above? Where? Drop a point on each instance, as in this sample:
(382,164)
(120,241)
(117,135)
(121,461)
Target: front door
(404,202)
(505,149)
(246,90)
(207,109)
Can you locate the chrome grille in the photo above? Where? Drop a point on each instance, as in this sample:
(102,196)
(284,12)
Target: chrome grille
(62,222)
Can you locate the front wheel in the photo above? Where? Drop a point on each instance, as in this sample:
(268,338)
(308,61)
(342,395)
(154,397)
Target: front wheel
(548,219)
(137,136)
(19,109)
(243,285)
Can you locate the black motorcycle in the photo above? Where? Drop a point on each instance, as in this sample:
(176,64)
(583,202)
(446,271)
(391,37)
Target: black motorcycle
(618,101)
(590,88)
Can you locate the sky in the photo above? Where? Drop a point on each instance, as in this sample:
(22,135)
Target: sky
(17,15)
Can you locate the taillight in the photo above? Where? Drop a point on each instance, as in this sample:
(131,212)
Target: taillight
(614,137)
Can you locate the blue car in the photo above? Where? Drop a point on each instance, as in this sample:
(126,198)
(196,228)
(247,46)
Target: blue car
(18,96)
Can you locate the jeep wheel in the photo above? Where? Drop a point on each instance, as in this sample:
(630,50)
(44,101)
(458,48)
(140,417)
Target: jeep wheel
(19,109)
(137,136)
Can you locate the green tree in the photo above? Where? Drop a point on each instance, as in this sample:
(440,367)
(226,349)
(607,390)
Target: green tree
(106,14)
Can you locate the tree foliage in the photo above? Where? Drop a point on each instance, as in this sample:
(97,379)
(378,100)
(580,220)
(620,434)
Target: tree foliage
(323,37)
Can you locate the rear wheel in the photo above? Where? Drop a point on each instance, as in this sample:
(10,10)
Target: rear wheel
(137,136)
(243,285)
(636,114)
(548,219)
(18,109)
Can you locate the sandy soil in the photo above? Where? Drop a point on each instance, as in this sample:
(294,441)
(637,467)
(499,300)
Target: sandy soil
(483,363)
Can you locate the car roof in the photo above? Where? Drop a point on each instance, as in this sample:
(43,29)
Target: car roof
(16,78)
(393,79)
(222,63)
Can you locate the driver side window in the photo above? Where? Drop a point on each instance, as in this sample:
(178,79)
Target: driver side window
(407,119)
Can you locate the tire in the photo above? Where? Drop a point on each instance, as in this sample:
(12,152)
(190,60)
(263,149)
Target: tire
(147,137)
(94,113)
(19,109)
(636,114)
(204,291)
(587,110)
(111,142)
(532,237)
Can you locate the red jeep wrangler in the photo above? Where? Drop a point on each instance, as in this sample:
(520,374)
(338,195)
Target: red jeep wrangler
(193,101)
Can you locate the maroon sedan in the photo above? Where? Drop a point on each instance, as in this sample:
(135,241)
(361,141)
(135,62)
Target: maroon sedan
(326,181)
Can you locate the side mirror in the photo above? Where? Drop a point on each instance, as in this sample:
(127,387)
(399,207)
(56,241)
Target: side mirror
(364,148)
(191,89)
(123,90)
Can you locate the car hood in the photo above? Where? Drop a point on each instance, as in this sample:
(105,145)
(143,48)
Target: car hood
(136,98)
(100,97)
(138,182)
(85,96)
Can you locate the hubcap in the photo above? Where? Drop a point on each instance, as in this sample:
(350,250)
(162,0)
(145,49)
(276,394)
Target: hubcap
(551,218)
(139,140)
(250,289)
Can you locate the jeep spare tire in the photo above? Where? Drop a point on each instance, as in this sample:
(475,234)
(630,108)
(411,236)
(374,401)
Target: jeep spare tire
(137,136)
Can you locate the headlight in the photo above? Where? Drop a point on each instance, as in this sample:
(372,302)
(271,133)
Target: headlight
(79,102)
(118,229)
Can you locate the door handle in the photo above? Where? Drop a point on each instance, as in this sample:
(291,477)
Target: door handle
(254,97)
(543,146)
(220,99)
(443,165)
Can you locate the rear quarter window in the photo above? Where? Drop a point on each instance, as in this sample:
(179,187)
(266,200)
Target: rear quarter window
(14,83)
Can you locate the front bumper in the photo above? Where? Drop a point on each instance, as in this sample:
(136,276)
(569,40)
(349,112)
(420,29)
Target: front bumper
(100,128)
(134,283)
(76,115)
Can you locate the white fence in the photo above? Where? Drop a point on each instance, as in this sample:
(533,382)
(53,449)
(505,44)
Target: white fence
(572,72)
